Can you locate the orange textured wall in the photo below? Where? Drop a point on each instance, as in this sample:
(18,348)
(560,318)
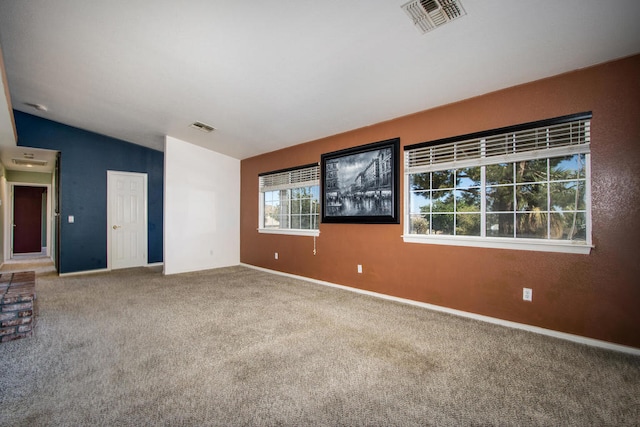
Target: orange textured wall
(595,295)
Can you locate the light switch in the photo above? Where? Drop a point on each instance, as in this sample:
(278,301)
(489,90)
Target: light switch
(71,219)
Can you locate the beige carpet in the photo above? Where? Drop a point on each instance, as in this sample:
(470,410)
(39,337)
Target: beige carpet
(237,346)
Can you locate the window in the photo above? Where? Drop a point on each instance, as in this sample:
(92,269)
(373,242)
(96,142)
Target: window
(522,187)
(289,201)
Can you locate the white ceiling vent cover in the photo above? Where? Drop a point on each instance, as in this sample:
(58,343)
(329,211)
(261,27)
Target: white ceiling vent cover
(202,127)
(29,162)
(429,14)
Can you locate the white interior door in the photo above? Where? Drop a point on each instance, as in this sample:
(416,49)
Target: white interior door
(127,219)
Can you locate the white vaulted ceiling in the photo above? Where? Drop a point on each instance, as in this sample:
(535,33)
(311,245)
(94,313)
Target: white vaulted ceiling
(273,73)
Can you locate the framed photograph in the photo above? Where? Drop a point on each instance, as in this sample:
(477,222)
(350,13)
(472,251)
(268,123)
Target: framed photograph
(360,184)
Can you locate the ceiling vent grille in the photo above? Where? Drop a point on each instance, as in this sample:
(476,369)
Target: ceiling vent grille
(202,127)
(429,14)
(29,162)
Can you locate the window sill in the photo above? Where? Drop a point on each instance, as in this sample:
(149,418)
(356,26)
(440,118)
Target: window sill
(314,233)
(497,243)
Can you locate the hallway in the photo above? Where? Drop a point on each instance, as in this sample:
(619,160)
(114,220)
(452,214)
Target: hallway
(39,264)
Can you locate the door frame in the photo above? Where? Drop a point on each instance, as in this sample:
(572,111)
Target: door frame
(8,242)
(109,216)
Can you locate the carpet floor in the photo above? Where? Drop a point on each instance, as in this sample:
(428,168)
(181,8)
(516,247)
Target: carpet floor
(241,347)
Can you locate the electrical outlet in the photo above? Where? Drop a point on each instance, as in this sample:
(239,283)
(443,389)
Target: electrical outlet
(527,294)
(275,255)
(359,268)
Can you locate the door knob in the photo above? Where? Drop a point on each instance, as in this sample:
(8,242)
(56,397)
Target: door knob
(115,227)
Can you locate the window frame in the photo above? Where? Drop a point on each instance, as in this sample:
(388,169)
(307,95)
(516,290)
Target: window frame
(292,182)
(482,161)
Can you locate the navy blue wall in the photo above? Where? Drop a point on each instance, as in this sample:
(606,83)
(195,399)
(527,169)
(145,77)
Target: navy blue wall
(85,159)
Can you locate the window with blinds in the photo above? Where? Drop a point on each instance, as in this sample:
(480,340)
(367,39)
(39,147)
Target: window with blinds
(290,178)
(289,200)
(524,187)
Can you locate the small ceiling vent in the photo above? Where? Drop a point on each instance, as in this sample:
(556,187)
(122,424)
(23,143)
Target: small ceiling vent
(429,14)
(202,127)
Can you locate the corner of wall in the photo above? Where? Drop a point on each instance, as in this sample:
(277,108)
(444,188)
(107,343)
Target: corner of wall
(202,208)
(3,208)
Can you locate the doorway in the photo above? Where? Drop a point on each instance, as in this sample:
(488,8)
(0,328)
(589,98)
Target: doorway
(30,232)
(28,186)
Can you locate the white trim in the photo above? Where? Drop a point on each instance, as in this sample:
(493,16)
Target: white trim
(589,205)
(289,231)
(79,273)
(515,325)
(154,264)
(501,243)
(517,243)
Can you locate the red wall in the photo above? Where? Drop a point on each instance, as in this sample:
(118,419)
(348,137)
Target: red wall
(595,295)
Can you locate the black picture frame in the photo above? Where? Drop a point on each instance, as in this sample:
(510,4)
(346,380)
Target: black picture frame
(361,184)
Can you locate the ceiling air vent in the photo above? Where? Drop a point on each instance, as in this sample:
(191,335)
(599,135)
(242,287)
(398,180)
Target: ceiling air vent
(29,162)
(202,127)
(429,14)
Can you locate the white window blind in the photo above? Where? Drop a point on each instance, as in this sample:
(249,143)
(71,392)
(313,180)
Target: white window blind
(554,140)
(306,176)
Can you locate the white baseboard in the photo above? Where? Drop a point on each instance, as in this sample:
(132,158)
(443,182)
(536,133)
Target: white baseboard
(155,264)
(79,273)
(535,329)
(105,270)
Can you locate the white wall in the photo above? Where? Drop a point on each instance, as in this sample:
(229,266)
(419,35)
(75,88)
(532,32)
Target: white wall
(201,208)
(8,135)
